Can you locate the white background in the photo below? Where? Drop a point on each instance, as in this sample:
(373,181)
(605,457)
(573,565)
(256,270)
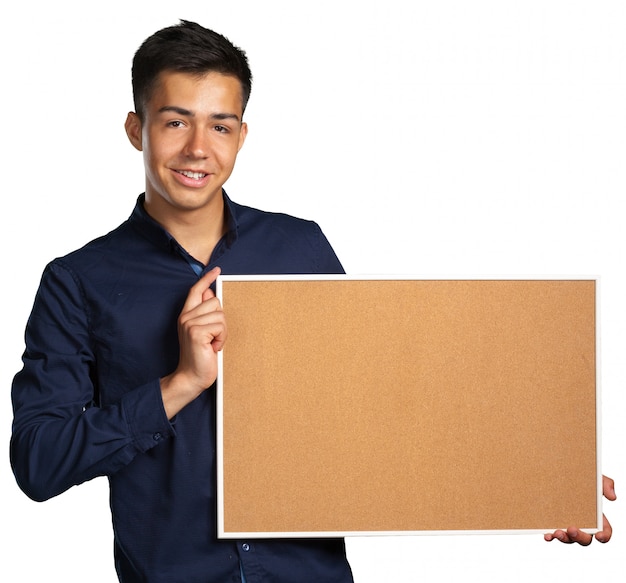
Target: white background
(450,137)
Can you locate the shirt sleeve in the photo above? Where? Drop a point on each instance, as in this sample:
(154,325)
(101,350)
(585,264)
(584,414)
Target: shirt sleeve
(327,260)
(61,437)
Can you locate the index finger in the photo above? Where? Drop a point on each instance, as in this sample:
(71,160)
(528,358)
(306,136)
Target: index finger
(198,290)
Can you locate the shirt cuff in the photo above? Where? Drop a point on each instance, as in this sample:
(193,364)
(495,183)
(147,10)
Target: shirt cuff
(145,414)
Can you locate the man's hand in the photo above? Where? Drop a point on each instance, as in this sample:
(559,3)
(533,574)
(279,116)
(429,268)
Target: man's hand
(574,535)
(201,334)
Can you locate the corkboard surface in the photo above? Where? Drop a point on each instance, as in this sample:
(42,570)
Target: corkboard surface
(354,406)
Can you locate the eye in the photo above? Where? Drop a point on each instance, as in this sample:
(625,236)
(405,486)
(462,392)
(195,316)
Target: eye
(176,123)
(221,129)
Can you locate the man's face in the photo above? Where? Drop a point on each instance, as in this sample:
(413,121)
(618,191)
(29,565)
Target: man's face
(190,137)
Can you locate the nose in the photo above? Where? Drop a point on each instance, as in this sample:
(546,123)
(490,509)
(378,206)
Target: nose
(197,145)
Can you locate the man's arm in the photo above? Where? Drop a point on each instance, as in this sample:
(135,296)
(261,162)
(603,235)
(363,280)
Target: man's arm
(61,435)
(575,535)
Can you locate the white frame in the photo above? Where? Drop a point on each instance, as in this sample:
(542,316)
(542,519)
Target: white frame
(318,534)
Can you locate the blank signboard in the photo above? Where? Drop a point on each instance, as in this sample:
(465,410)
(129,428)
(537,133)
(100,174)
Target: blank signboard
(354,406)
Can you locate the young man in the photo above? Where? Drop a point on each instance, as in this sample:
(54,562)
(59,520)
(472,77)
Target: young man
(121,344)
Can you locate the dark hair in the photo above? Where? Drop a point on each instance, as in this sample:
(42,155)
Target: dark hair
(187,48)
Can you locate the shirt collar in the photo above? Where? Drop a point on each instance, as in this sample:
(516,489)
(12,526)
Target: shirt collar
(157,235)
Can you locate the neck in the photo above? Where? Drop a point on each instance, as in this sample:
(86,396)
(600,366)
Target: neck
(198,230)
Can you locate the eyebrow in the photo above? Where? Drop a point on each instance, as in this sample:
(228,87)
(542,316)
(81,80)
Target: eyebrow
(189,113)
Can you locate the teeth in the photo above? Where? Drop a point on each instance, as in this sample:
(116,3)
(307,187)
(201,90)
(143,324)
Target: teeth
(194,175)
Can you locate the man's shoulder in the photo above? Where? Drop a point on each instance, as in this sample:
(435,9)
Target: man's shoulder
(274,242)
(249,217)
(114,242)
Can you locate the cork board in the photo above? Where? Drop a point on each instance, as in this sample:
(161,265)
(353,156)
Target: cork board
(350,406)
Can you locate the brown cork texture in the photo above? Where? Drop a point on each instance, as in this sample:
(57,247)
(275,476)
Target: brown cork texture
(409,405)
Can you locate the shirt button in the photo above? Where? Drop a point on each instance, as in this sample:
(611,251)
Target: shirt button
(245,547)
(157,437)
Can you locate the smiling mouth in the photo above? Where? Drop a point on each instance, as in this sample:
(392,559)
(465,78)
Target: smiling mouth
(193,175)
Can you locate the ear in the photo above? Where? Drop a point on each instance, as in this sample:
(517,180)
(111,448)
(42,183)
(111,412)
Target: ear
(243,132)
(133,130)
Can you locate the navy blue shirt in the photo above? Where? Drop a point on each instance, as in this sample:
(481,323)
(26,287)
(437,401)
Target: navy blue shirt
(87,402)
